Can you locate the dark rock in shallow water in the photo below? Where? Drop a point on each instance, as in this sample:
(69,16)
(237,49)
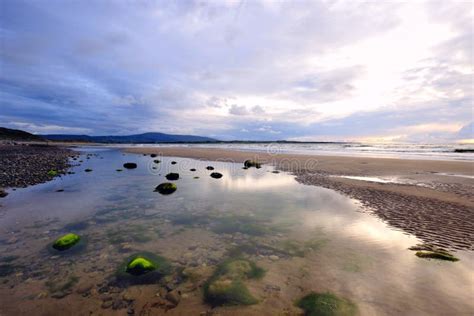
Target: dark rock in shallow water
(173,162)
(252,163)
(216,175)
(60,190)
(210,168)
(65,242)
(156,161)
(166,188)
(119,170)
(3,193)
(88,170)
(129,165)
(192,169)
(153,155)
(172,176)
(174,297)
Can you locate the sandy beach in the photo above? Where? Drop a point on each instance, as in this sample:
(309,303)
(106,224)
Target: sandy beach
(432,199)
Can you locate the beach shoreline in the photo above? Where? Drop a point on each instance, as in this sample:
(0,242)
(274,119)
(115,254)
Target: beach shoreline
(432,200)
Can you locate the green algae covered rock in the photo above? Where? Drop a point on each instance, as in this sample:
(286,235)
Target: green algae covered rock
(227,285)
(52,173)
(326,304)
(439,255)
(143,268)
(65,242)
(252,163)
(139,266)
(166,188)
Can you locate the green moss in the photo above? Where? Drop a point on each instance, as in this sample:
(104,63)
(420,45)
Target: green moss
(52,173)
(65,242)
(326,304)
(142,268)
(226,286)
(139,266)
(166,188)
(439,255)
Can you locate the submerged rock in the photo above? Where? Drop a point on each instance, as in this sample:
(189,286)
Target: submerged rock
(166,188)
(153,155)
(192,169)
(143,268)
(129,165)
(172,176)
(216,175)
(156,161)
(252,163)
(52,173)
(118,170)
(326,304)
(88,170)
(173,162)
(140,266)
(65,242)
(226,286)
(210,168)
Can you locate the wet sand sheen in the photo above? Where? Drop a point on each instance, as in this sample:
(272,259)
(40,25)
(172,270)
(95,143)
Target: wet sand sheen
(306,238)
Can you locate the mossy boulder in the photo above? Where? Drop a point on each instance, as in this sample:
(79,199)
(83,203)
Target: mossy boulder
(52,173)
(252,163)
(216,175)
(166,188)
(140,266)
(326,304)
(129,165)
(226,286)
(143,268)
(210,168)
(65,242)
(172,176)
(439,255)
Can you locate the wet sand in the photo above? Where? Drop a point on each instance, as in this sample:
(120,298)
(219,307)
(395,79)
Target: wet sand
(436,208)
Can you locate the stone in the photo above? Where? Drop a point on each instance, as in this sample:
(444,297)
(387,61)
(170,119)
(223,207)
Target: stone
(65,242)
(129,165)
(166,188)
(174,297)
(172,176)
(216,175)
(139,266)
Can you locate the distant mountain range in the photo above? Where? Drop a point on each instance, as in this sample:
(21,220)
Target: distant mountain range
(18,135)
(138,138)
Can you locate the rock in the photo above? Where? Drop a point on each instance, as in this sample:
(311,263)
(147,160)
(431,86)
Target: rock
(140,266)
(273,257)
(252,163)
(173,162)
(210,168)
(3,193)
(166,188)
(60,190)
(172,176)
(156,161)
(60,294)
(174,297)
(84,288)
(216,175)
(153,155)
(129,165)
(192,169)
(107,304)
(275,171)
(65,242)
(118,170)
(88,170)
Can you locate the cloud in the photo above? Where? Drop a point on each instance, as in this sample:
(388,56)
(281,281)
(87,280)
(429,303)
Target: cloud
(303,69)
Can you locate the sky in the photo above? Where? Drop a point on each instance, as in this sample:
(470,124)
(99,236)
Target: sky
(252,70)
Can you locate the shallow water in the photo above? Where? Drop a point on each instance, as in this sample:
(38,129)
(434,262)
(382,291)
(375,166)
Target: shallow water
(307,238)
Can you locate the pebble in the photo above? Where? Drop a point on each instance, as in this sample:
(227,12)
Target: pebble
(174,297)
(273,257)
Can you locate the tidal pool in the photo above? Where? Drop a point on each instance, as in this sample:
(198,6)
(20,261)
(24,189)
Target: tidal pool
(305,238)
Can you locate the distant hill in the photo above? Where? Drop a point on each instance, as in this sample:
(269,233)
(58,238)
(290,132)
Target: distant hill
(139,138)
(18,135)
